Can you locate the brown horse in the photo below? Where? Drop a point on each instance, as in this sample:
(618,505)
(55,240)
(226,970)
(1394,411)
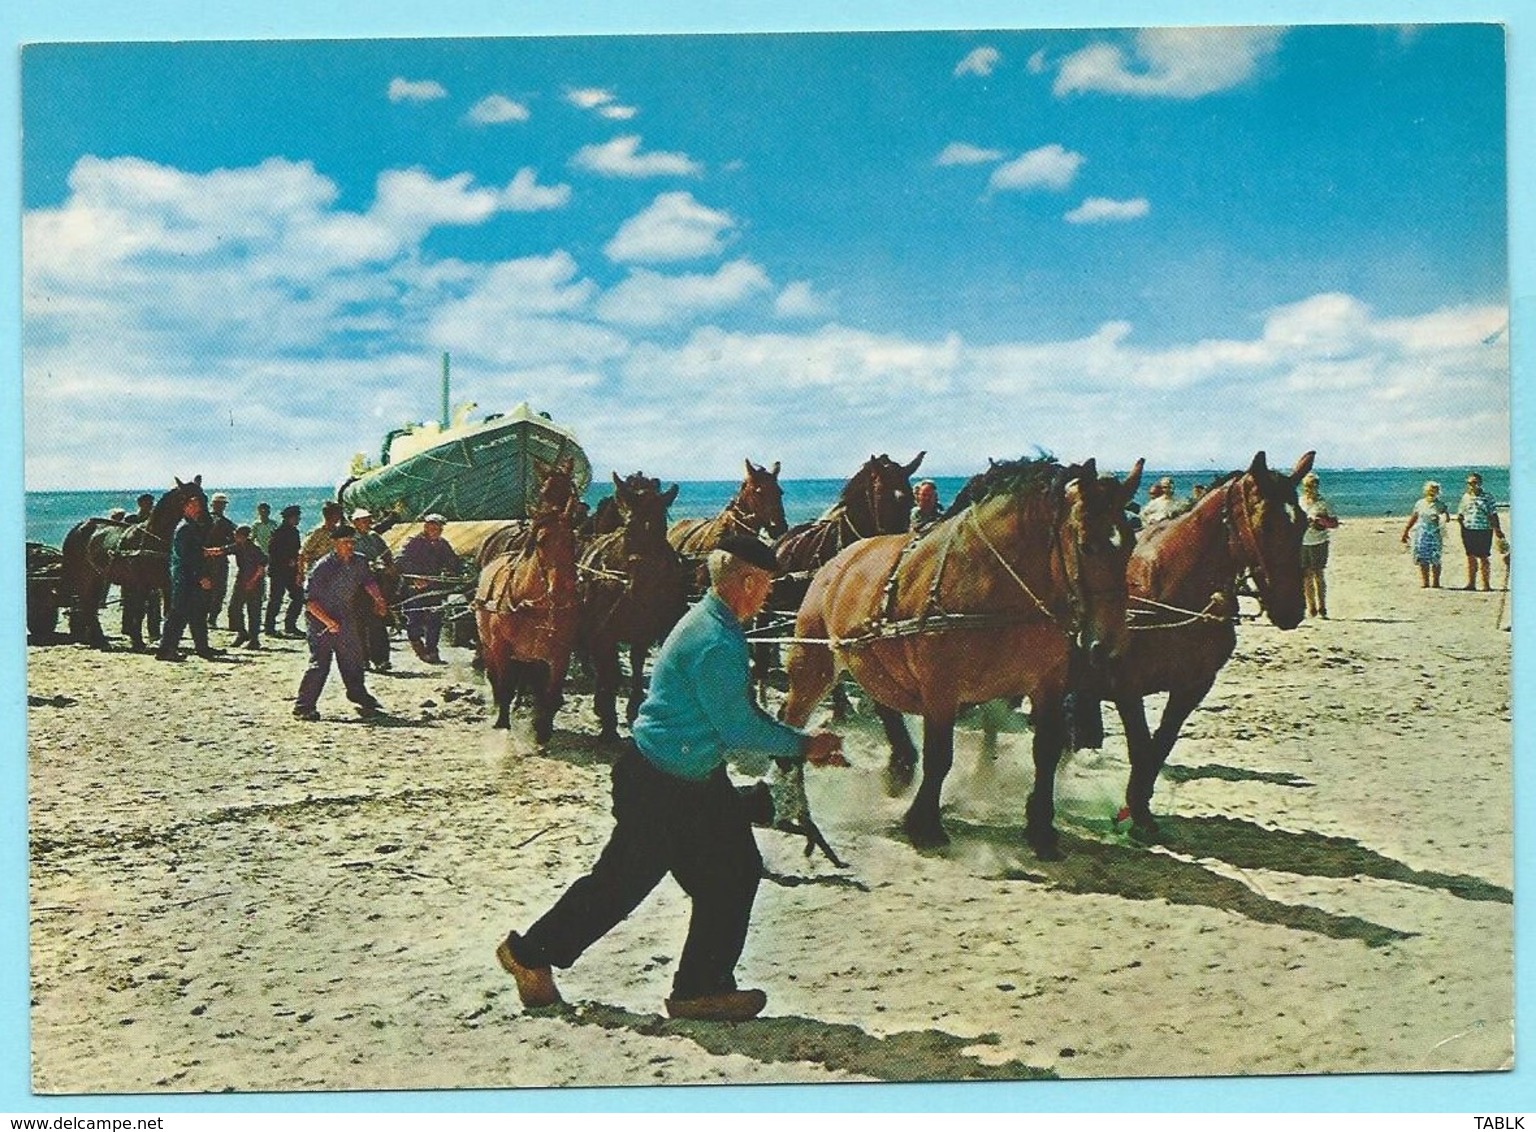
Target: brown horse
(99,553)
(633,588)
(525,613)
(757,507)
(993,602)
(1183,580)
(876,500)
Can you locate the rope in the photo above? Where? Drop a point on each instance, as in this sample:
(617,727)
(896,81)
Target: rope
(1040,605)
(1191,615)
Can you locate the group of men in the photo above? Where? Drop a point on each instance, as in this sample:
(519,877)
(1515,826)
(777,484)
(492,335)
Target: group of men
(332,575)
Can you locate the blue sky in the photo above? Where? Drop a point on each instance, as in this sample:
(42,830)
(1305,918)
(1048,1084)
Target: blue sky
(1183,244)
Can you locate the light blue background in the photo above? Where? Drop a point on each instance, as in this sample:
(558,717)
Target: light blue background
(64,20)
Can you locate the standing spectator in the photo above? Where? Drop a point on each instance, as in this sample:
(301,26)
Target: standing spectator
(1479,519)
(286,573)
(372,549)
(150,598)
(221,532)
(317,543)
(925,506)
(334,633)
(1161,502)
(190,584)
(245,601)
(426,562)
(262,528)
(1429,515)
(1314,545)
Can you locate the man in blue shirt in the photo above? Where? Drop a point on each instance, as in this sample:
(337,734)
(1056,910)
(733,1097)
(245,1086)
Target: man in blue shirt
(675,809)
(334,629)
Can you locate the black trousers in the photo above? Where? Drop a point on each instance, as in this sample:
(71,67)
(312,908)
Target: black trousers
(697,831)
(245,612)
(284,584)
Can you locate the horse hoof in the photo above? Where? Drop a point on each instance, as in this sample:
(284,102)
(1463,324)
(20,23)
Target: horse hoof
(1146,833)
(501,725)
(926,835)
(897,780)
(1047,848)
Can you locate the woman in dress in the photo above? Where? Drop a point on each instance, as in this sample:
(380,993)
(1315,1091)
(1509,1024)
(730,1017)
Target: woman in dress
(1423,533)
(1314,545)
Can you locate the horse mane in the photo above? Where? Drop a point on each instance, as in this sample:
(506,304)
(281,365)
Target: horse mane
(1026,475)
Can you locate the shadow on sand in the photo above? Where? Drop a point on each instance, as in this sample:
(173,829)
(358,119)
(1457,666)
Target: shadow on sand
(911,1055)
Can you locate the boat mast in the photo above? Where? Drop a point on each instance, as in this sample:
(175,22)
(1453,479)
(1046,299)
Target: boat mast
(445,390)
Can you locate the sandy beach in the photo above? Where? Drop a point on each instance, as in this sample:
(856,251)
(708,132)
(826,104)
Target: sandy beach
(224,898)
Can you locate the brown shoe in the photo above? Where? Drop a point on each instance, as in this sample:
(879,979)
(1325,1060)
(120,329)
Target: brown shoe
(535,985)
(727,1006)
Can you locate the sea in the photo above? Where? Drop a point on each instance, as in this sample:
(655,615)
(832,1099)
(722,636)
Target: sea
(1358,492)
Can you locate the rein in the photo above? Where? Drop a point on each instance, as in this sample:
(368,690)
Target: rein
(1238,550)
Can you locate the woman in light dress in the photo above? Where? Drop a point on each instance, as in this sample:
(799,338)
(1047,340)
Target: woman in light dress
(1424,534)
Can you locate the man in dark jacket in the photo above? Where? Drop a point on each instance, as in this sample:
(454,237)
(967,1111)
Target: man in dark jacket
(190,583)
(221,532)
(286,574)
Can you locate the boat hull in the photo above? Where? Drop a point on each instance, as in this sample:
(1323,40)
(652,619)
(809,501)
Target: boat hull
(491,472)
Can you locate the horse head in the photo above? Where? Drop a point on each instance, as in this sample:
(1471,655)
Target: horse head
(643,508)
(761,500)
(1268,524)
(1094,540)
(556,485)
(878,499)
(168,508)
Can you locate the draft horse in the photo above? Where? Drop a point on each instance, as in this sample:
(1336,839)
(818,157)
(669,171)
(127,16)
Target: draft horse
(876,500)
(526,618)
(757,508)
(632,588)
(1182,581)
(995,601)
(98,553)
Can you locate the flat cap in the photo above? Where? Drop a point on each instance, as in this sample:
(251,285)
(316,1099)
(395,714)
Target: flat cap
(291,509)
(362,513)
(218,497)
(751,550)
(435,518)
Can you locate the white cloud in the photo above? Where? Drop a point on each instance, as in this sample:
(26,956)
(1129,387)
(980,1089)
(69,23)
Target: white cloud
(647,298)
(404,90)
(1049,167)
(800,300)
(494,109)
(621,157)
(673,227)
(249,294)
(981,61)
(601,102)
(412,201)
(1169,62)
(1097,210)
(1038,63)
(525,194)
(963,153)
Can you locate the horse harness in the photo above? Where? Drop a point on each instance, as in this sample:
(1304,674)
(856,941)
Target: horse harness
(1222,607)
(934,618)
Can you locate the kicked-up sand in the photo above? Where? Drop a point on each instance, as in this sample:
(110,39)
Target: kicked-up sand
(224,898)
